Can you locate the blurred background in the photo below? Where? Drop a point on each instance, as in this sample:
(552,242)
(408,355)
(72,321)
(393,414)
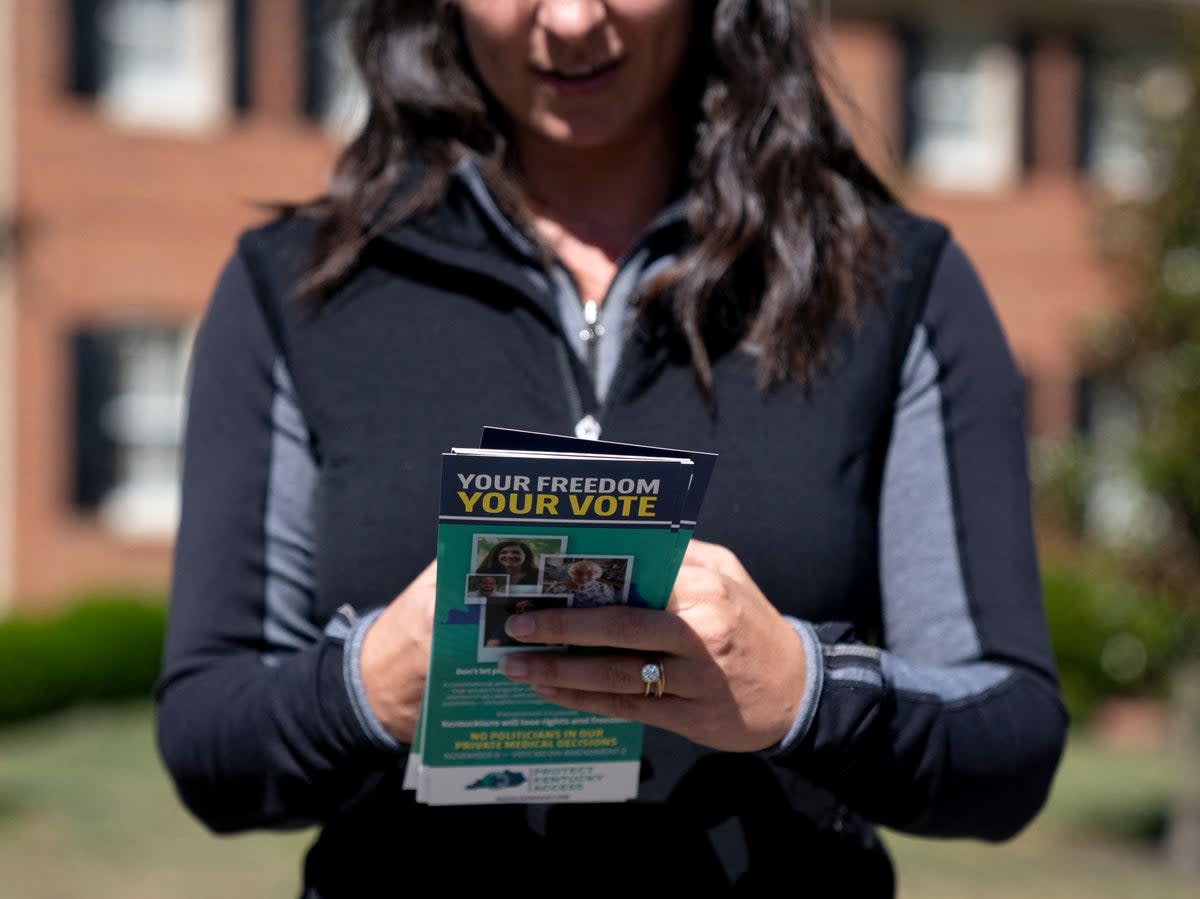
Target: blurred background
(1059,140)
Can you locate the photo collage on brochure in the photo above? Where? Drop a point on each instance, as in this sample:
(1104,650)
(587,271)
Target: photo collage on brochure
(541,573)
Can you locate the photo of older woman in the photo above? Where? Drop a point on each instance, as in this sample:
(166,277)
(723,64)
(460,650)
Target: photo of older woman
(589,581)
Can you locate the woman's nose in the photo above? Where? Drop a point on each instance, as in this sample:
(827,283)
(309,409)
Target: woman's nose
(570,18)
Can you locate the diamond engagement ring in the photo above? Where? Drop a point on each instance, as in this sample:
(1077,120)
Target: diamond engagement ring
(654,676)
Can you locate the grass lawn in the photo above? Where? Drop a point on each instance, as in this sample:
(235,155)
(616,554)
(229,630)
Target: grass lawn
(1097,837)
(86,813)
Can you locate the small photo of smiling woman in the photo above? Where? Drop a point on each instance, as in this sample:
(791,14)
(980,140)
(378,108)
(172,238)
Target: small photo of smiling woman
(515,556)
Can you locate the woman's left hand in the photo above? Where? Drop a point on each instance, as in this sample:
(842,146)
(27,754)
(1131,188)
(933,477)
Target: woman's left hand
(734,667)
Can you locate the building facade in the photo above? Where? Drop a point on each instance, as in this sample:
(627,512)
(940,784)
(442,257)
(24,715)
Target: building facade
(137,137)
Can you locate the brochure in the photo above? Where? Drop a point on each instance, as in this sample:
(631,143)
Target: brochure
(533,528)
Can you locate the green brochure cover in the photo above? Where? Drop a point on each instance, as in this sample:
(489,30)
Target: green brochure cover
(514,525)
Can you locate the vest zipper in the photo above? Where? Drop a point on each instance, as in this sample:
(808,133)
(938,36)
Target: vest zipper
(588,427)
(591,333)
(586,424)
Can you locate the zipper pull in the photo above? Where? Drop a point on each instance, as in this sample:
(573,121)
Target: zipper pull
(591,315)
(587,428)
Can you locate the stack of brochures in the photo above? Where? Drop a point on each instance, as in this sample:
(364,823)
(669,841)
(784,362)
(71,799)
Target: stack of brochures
(533,521)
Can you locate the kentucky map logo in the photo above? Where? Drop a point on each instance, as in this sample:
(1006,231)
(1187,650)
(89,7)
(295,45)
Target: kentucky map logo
(498,780)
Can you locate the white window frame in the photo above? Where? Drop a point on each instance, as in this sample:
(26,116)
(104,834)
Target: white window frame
(971,141)
(144,418)
(177,78)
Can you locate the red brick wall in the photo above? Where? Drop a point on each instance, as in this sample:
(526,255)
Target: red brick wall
(1032,244)
(118,223)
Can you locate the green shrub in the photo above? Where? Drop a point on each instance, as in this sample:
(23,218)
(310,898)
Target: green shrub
(1111,635)
(103,647)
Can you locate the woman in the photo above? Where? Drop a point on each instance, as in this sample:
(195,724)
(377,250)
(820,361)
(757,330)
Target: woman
(583,584)
(638,217)
(514,558)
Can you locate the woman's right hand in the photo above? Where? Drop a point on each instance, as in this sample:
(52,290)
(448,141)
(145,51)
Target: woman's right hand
(395,656)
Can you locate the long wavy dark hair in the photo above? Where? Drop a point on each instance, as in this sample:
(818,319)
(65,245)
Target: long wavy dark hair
(789,241)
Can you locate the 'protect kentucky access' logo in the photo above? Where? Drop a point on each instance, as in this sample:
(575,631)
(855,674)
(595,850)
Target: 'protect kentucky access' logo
(498,780)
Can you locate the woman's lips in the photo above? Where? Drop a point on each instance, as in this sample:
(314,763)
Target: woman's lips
(579,80)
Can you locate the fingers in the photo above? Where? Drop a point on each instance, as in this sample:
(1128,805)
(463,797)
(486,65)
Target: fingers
(702,593)
(611,674)
(619,626)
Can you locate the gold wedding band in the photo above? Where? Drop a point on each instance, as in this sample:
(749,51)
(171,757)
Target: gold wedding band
(654,677)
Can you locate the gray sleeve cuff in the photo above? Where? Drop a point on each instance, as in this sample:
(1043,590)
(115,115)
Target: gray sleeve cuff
(814,662)
(352,629)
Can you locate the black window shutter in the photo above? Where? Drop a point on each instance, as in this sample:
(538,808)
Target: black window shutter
(312,21)
(1026,45)
(913,44)
(84,47)
(242,53)
(1087,101)
(94,456)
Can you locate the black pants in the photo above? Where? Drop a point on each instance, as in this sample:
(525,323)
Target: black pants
(726,829)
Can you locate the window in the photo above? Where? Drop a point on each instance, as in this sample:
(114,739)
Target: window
(1132,88)
(964,109)
(334,92)
(158,63)
(130,383)
(1118,510)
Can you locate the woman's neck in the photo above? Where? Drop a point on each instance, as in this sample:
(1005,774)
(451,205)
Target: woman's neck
(599,198)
